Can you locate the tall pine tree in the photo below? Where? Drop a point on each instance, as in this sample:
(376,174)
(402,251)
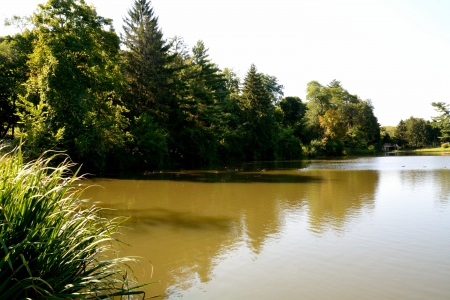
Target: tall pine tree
(258,113)
(151,84)
(205,89)
(255,96)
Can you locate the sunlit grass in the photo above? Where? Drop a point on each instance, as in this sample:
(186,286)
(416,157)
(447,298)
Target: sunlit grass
(52,244)
(438,149)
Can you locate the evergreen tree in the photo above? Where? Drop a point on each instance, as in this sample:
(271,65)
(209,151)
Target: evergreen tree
(433,133)
(443,120)
(206,83)
(258,113)
(204,90)
(255,96)
(233,134)
(151,85)
(400,133)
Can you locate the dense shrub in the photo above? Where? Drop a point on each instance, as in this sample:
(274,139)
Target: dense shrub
(52,244)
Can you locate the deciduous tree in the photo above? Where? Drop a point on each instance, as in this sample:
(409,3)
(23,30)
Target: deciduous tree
(14,53)
(74,76)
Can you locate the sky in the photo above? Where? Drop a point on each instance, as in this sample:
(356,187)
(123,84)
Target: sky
(394,52)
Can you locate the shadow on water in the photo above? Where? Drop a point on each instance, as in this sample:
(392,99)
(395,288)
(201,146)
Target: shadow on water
(254,172)
(164,217)
(227,176)
(232,177)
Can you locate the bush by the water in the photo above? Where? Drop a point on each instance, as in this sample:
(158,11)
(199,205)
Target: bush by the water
(52,244)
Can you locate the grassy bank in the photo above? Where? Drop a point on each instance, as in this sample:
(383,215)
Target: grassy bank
(438,149)
(53,245)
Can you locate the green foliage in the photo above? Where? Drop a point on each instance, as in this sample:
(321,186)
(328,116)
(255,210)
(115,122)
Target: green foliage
(445,145)
(18,22)
(387,134)
(400,133)
(339,117)
(149,143)
(355,138)
(293,110)
(179,49)
(333,125)
(415,134)
(389,130)
(252,127)
(432,133)
(232,146)
(315,148)
(104,128)
(255,96)
(35,123)
(205,88)
(233,137)
(443,120)
(371,150)
(287,145)
(293,113)
(74,75)
(318,101)
(13,57)
(334,148)
(151,84)
(259,122)
(272,86)
(52,244)
(359,114)
(232,81)
(196,134)
(156,103)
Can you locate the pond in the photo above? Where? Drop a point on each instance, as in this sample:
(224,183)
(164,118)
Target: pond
(351,228)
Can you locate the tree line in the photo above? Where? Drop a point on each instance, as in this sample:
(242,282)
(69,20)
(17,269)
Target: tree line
(420,133)
(69,82)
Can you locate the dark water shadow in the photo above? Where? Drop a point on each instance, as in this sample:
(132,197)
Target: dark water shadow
(164,217)
(227,177)
(241,173)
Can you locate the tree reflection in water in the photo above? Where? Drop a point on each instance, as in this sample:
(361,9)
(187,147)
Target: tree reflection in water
(187,223)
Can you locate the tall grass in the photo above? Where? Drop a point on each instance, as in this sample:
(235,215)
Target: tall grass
(52,244)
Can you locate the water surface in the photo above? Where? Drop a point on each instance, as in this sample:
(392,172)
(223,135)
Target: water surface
(362,228)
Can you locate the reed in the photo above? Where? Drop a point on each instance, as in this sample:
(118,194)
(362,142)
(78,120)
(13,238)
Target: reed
(53,245)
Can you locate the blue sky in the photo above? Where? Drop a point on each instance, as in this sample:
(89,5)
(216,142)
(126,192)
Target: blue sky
(394,52)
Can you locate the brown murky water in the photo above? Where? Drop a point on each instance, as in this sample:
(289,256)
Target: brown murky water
(366,228)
